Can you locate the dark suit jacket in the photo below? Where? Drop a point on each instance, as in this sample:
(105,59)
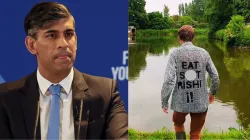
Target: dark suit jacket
(96,103)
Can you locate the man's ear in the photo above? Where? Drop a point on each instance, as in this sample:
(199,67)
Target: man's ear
(30,45)
(76,42)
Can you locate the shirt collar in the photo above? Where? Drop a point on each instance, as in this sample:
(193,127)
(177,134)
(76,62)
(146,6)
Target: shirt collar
(44,84)
(188,43)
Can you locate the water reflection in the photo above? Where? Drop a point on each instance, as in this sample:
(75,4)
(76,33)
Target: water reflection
(147,64)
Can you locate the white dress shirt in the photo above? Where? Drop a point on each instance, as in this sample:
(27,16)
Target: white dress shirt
(66,112)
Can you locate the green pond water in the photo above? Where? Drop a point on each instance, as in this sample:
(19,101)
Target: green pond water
(147,64)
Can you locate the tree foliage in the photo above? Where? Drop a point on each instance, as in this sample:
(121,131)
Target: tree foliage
(216,17)
(185,20)
(158,22)
(166,11)
(235,26)
(137,14)
(196,10)
(242,7)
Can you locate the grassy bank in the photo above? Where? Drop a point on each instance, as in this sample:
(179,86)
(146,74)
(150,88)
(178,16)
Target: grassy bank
(165,33)
(232,134)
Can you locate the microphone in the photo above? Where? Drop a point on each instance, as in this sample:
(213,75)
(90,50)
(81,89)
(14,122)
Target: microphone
(76,112)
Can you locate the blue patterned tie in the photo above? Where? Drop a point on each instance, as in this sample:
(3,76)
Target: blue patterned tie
(54,117)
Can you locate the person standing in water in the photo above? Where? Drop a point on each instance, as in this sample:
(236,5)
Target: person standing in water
(185,78)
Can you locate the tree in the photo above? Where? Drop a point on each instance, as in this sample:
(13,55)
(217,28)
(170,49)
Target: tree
(175,18)
(185,20)
(137,14)
(182,9)
(216,17)
(170,22)
(166,11)
(196,10)
(186,8)
(156,21)
(179,8)
(241,7)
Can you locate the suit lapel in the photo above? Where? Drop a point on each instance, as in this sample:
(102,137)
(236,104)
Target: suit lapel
(30,106)
(81,105)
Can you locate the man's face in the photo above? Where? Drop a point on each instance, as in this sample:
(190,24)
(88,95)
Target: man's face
(56,46)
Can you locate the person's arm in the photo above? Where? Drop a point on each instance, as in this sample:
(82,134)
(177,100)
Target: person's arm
(169,80)
(212,71)
(5,132)
(117,118)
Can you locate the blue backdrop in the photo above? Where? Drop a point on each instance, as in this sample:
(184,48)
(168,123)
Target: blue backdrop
(101,27)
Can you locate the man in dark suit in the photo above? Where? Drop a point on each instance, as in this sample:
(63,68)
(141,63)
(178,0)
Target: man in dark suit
(57,101)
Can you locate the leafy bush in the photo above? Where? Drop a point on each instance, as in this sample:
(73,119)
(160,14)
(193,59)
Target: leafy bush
(170,22)
(185,20)
(234,29)
(235,34)
(202,32)
(235,26)
(201,25)
(245,38)
(220,35)
(158,22)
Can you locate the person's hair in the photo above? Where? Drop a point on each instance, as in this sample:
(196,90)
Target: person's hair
(43,14)
(186,33)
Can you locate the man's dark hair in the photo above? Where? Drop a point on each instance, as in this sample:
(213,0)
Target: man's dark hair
(43,14)
(186,33)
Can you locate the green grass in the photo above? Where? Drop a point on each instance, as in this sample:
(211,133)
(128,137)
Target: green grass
(232,134)
(159,134)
